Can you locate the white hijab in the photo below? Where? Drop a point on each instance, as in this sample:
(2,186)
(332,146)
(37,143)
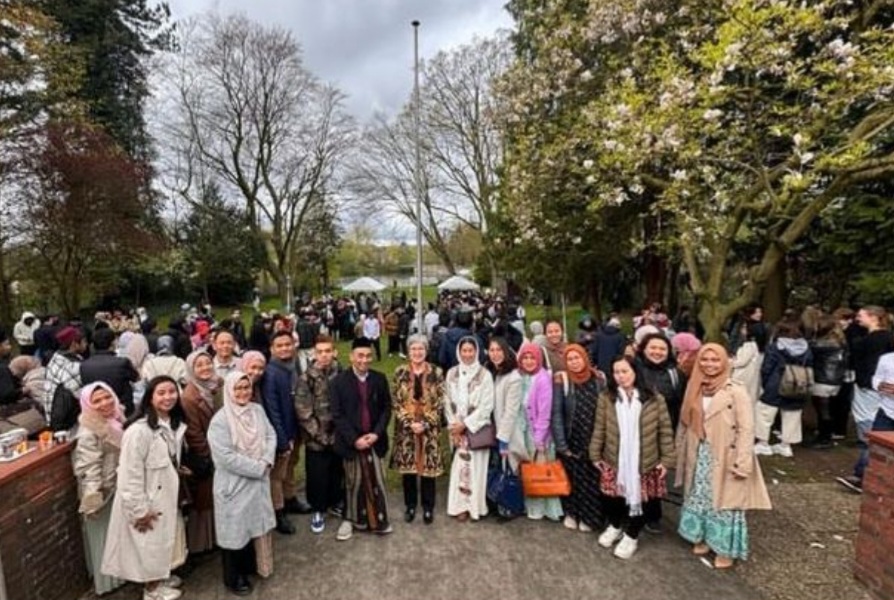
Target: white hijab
(246,429)
(467,373)
(628,410)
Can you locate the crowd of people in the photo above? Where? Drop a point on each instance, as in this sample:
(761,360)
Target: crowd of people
(188,439)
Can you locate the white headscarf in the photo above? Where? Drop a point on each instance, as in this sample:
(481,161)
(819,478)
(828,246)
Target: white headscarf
(628,410)
(246,428)
(467,373)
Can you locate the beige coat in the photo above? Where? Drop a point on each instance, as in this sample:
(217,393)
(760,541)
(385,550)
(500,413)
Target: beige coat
(147,480)
(729,429)
(95,462)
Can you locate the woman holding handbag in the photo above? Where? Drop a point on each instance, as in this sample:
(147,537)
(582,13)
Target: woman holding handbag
(509,415)
(468,408)
(632,443)
(716,462)
(575,397)
(537,399)
(418,403)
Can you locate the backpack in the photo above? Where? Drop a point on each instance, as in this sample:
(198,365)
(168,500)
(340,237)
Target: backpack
(796,382)
(66,409)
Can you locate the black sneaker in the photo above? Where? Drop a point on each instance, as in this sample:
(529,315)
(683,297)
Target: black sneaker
(337,511)
(851,482)
(653,527)
(296,506)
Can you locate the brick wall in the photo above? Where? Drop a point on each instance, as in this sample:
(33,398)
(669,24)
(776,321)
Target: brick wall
(875,541)
(41,545)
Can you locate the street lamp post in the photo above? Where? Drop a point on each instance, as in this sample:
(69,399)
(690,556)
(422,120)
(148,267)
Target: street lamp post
(418,177)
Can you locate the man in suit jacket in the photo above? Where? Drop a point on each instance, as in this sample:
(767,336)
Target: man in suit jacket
(116,371)
(361,409)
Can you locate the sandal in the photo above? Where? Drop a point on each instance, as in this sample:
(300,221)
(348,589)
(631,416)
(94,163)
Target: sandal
(701,549)
(723,562)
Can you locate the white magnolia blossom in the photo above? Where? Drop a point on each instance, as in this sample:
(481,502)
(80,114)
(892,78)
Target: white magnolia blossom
(588,163)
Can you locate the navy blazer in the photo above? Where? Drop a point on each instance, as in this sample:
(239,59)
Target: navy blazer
(279,404)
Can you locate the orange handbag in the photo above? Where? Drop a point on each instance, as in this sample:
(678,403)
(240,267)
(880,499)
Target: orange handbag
(543,480)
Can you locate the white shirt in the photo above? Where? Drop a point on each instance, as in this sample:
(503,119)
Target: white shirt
(371,328)
(884,373)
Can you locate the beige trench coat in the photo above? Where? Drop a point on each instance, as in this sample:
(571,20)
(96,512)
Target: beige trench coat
(95,462)
(147,480)
(729,429)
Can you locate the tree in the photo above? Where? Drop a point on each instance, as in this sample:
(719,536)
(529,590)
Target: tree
(84,212)
(738,120)
(115,39)
(248,111)
(222,250)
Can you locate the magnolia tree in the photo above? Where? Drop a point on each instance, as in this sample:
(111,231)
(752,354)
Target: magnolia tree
(734,119)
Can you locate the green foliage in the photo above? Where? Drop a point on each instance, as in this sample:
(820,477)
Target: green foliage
(115,39)
(222,250)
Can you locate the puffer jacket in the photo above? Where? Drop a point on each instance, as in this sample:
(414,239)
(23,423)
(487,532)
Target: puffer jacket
(655,433)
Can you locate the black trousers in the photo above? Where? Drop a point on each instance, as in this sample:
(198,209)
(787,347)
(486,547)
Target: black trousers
(652,511)
(840,409)
(325,479)
(411,491)
(238,563)
(393,344)
(618,514)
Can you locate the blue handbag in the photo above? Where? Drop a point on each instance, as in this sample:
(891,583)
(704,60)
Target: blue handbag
(504,489)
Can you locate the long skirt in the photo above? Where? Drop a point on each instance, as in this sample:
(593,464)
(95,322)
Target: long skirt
(724,531)
(95,529)
(537,508)
(468,483)
(585,501)
(200,531)
(367,504)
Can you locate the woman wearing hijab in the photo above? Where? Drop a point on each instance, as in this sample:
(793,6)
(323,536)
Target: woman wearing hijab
(165,362)
(243,444)
(418,403)
(137,352)
(253,364)
(575,397)
(686,346)
(716,462)
(633,442)
(201,399)
(95,459)
(146,539)
(537,399)
(554,347)
(468,407)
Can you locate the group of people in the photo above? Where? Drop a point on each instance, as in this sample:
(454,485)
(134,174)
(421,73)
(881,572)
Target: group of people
(194,455)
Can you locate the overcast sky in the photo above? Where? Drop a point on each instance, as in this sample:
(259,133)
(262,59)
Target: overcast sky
(366,46)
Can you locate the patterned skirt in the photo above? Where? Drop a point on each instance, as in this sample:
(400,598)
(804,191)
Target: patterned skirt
(724,531)
(653,486)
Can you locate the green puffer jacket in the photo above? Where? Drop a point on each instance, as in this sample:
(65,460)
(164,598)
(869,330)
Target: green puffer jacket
(655,432)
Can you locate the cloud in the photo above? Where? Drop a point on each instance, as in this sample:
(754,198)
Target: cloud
(366,46)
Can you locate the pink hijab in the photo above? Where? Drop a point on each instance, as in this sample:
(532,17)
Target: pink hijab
(530,348)
(245,422)
(115,423)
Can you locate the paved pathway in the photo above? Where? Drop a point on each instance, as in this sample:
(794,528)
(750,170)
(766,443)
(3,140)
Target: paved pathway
(449,560)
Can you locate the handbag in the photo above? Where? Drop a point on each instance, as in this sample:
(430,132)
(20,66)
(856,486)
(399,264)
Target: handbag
(504,489)
(544,480)
(486,437)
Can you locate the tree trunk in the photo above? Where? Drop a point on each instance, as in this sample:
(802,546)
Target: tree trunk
(712,319)
(775,292)
(593,299)
(673,288)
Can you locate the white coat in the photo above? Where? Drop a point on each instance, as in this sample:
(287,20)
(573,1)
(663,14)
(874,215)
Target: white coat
(243,507)
(509,415)
(147,480)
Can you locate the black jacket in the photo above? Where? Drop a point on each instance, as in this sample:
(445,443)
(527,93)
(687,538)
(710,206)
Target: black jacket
(113,370)
(345,406)
(829,362)
(608,344)
(866,351)
(665,379)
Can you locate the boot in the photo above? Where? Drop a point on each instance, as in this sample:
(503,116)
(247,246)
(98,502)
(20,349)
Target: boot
(283,525)
(234,579)
(297,506)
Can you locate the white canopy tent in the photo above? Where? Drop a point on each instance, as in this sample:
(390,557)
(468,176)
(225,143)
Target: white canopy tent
(364,284)
(457,284)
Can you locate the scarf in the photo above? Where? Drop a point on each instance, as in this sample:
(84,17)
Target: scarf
(250,357)
(588,371)
(208,387)
(628,410)
(692,415)
(246,428)
(467,373)
(136,350)
(535,351)
(115,424)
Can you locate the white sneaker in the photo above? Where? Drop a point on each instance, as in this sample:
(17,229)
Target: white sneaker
(584,527)
(763,449)
(626,547)
(570,523)
(782,450)
(345,531)
(173,582)
(610,536)
(161,593)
